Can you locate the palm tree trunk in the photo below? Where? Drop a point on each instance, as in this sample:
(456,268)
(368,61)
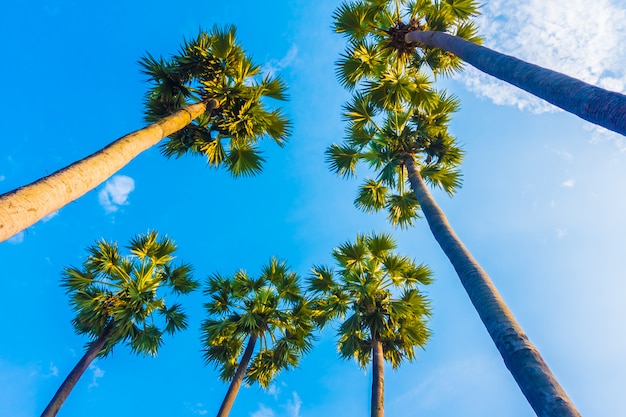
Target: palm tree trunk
(66,387)
(26,205)
(378,379)
(594,104)
(235,384)
(523,360)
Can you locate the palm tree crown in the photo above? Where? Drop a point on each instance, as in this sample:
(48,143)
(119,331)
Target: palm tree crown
(384,138)
(271,309)
(127,293)
(214,69)
(376,32)
(378,291)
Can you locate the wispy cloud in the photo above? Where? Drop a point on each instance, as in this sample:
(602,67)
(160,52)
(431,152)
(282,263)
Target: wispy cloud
(553,35)
(97,373)
(197,409)
(17,238)
(2,178)
(276,65)
(569,183)
(50,216)
(293,406)
(115,193)
(53,371)
(263,411)
(560,233)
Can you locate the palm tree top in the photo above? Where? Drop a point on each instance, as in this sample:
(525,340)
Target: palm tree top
(270,307)
(127,292)
(375,292)
(376,32)
(213,68)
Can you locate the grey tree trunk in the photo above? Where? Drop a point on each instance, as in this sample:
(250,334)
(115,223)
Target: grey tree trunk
(594,104)
(72,379)
(538,384)
(26,205)
(235,384)
(378,379)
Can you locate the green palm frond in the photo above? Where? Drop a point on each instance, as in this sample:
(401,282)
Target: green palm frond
(342,159)
(372,196)
(403,209)
(270,307)
(244,161)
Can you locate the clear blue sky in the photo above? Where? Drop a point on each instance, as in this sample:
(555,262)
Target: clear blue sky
(542,209)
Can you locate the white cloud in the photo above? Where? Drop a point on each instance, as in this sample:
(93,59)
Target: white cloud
(273,390)
(97,374)
(275,65)
(54,371)
(263,411)
(197,409)
(569,183)
(293,406)
(561,233)
(115,192)
(2,178)
(17,238)
(579,38)
(50,216)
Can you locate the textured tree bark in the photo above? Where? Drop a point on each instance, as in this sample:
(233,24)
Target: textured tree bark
(235,384)
(594,104)
(378,379)
(543,392)
(26,205)
(70,382)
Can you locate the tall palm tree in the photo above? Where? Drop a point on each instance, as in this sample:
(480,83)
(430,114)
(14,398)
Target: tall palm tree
(209,100)
(439,33)
(270,314)
(121,299)
(407,146)
(378,291)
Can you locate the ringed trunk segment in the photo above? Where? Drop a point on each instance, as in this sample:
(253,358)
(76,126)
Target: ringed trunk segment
(594,104)
(27,205)
(72,379)
(235,384)
(542,390)
(378,379)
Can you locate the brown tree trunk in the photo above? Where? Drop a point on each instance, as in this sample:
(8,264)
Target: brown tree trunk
(66,387)
(594,104)
(235,384)
(26,205)
(378,379)
(538,384)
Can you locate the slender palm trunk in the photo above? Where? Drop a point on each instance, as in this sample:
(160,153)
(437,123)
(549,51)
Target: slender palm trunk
(523,360)
(235,384)
(26,205)
(378,379)
(66,387)
(594,104)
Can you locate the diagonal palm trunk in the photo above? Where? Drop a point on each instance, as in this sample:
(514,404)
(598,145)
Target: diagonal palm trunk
(235,384)
(66,387)
(594,104)
(378,379)
(26,205)
(523,360)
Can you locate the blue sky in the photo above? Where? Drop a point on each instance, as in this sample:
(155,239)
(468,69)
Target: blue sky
(542,209)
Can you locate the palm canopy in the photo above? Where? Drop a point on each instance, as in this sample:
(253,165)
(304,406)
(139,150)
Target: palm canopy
(376,32)
(215,69)
(271,309)
(378,291)
(383,138)
(126,294)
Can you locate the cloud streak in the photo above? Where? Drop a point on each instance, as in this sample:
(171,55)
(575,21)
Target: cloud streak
(115,193)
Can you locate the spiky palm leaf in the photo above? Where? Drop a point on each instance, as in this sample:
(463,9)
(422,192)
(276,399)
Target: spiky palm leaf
(270,307)
(214,68)
(128,292)
(380,295)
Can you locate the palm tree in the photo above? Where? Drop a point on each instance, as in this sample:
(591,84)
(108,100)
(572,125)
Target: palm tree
(378,289)
(408,146)
(270,310)
(439,33)
(120,299)
(209,100)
